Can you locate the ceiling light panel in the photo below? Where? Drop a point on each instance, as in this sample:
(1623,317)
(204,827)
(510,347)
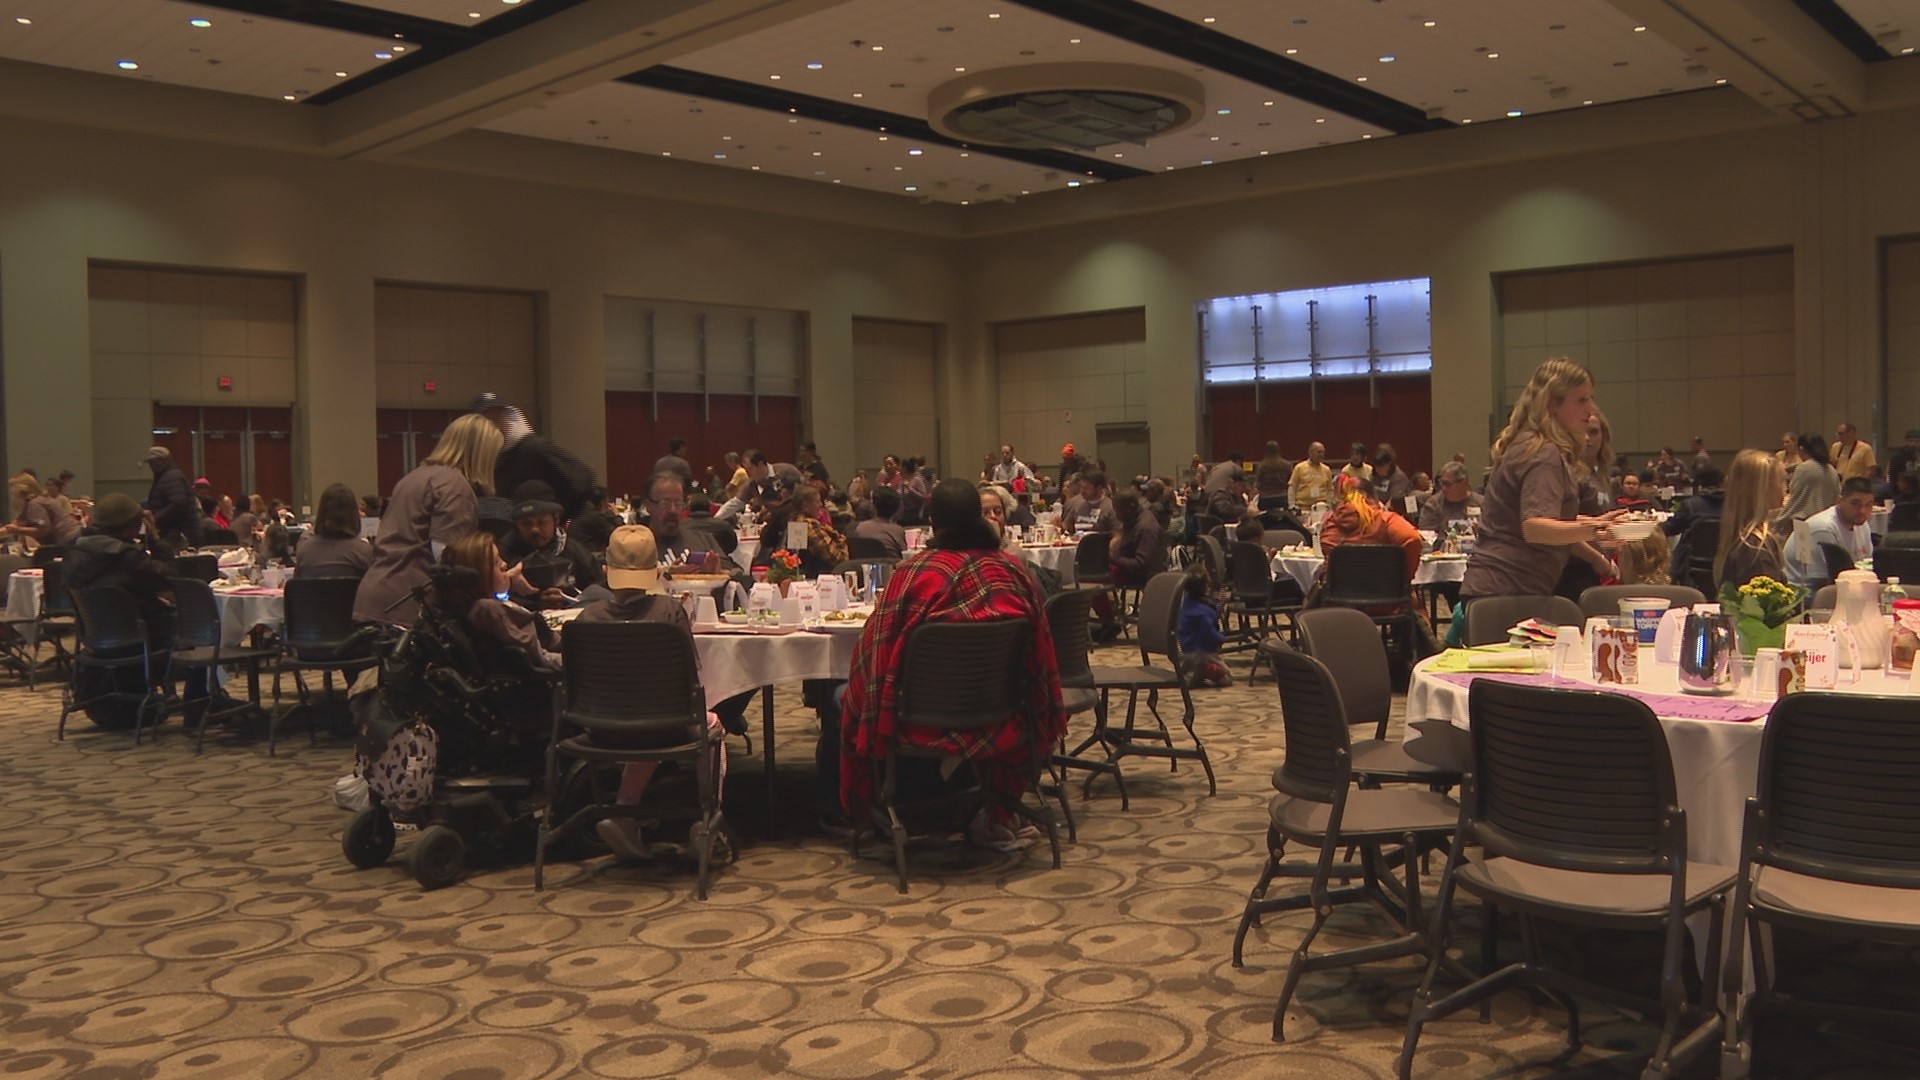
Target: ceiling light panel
(620,116)
(920,55)
(239,54)
(1895,24)
(1594,55)
(456,12)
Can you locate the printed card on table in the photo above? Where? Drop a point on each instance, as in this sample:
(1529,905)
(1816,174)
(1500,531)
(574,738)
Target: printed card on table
(1615,655)
(1817,642)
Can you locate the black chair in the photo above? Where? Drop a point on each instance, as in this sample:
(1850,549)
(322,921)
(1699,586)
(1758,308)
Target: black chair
(1319,805)
(1159,622)
(202,568)
(1605,599)
(197,647)
(1204,524)
(1571,802)
(1837,561)
(1348,645)
(1703,541)
(1279,538)
(1257,601)
(866,549)
(1067,615)
(1369,576)
(1904,518)
(58,617)
(111,637)
(1489,617)
(1831,847)
(321,636)
(943,684)
(1091,561)
(1902,563)
(631,693)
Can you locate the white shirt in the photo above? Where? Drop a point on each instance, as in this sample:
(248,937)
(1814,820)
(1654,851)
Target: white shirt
(1805,564)
(1004,472)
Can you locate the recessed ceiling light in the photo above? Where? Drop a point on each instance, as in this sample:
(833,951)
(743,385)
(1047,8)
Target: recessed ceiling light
(959,69)
(1723,82)
(1468,120)
(1223,112)
(1073,41)
(1073,183)
(509,3)
(1907,50)
(339,74)
(899,168)
(1209,19)
(879,48)
(1264,153)
(1589,101)
(286,97)
(1493,56)
(1366,136)
(963,153)
(993,14)
(1266,103)
(816,153)
(1429,23)
(1639,29)
(1206,161)
(399,48)
(1387,59)
(1362,78)
(199,24)
(964,202)
(1119,155)
(719,157)
(23,20)
(473,14)
(755,168)
(823,174)
(775,78)
(915,152)
(1292,52)
(814,65)
(1213,138)
(383,55)
(883,138)
(1320,120)
(127,65)
(1513,112)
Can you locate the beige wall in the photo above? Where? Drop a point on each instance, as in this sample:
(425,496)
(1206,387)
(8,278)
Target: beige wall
(72,195)
(1677,349)
(169,336)
(1903,342)
(463,341)
(896,367)
(1060,377)
(1828,192)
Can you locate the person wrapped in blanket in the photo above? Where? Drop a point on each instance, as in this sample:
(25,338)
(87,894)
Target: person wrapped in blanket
(1199,630)
(962,575)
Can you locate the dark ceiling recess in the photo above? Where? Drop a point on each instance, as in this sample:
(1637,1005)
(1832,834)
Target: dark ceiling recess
(1834,20)
(436,40)
(753,95)
(1174,36)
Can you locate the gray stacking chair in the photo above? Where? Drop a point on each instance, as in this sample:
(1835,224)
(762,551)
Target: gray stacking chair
(1319,805)
(1605,599)
(1348,644)
(1570,814)
(1831,847)
(1159,619)
(1488,617)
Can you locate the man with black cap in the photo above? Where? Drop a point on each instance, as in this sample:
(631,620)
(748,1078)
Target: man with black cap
(528,455)
(170,501)
(549,568)
(109,552)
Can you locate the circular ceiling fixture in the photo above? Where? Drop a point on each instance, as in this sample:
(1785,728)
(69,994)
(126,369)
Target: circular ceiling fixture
(1065,106)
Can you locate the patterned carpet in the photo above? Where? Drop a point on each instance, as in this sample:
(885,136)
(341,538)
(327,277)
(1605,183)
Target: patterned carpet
(168,915)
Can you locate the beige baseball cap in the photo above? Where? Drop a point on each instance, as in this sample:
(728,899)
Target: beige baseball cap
(633,559)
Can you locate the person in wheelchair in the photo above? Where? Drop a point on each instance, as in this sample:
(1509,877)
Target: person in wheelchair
(480,601)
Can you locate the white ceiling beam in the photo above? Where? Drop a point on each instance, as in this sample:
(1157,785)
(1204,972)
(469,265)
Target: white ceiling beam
(1768,49)
(584,45)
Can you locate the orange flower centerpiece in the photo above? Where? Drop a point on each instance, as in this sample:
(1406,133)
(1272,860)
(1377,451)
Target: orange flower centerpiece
(783,568)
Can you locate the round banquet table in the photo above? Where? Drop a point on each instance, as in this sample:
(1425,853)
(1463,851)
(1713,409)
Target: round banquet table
(1055,557)
(240,609)
(1303,569)
(1714,741)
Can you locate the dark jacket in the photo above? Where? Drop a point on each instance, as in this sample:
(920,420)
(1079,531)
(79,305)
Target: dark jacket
(98,559)
(1691,511)
(1142,552)
(536,457)
(593,528)
(176,509)
(725,540)
(561,564)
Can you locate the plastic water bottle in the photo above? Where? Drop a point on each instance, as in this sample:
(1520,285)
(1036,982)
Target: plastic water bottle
(1890,592)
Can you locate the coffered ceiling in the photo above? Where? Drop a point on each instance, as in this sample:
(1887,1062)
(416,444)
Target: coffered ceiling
(837,91)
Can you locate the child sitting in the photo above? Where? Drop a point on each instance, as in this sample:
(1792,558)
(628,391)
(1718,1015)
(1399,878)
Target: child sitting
(1644,562)
(1199,631)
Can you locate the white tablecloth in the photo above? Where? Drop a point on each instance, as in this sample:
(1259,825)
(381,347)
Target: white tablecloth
(1302,569)
(239,612)
(1058,559)
(1716,763)
(743,553)
(733,663)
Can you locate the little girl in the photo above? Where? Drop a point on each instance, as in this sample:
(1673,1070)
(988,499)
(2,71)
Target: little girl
(1199,631)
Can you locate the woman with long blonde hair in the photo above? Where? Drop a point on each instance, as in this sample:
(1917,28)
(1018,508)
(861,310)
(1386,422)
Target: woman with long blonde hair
(1530,514)
(431,507)
(1749,548)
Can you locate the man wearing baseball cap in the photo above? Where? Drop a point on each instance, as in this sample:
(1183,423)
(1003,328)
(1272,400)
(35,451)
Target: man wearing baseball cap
(551,568)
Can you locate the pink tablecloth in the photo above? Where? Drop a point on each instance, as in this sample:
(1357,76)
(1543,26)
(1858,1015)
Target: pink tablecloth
(1681,706)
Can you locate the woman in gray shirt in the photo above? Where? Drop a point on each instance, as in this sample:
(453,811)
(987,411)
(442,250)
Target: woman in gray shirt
(334,547)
